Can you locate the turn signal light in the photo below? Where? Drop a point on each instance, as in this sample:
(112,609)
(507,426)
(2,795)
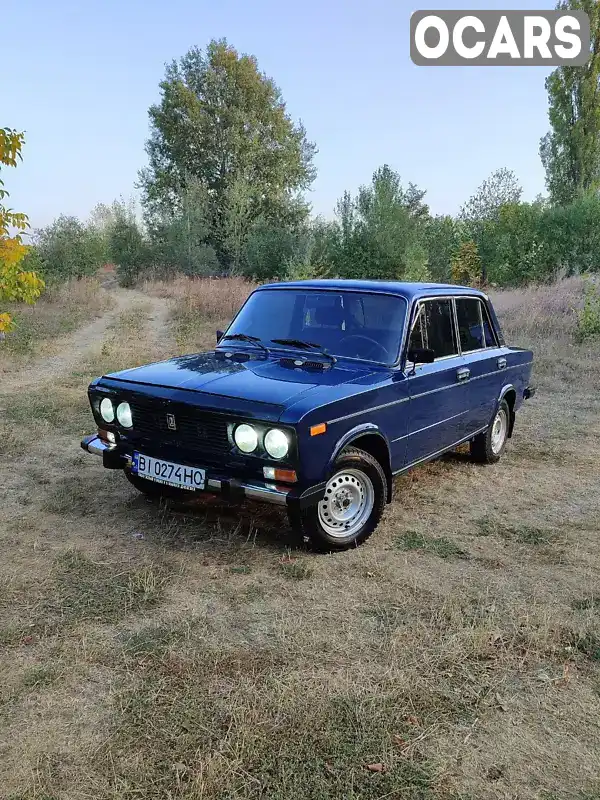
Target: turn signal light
(276,474)
(107,436)
(315,430)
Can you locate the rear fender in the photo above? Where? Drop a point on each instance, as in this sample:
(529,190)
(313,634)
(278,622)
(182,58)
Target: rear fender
(508,393)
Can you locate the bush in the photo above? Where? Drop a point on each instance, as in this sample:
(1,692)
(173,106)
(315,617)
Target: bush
(127,249)
(466,265)
(69,249)
(269,250)
(588,321)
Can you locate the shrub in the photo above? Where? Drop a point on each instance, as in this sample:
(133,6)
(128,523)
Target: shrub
(69,249)
(588,321)
(466,265)
(127,249)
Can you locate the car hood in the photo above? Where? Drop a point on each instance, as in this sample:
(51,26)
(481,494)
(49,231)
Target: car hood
(260,380)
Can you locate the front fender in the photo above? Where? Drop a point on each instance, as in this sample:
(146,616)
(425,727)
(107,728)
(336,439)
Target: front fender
(355,433)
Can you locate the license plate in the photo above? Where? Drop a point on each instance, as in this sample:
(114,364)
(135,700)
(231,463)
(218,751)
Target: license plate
(159,471)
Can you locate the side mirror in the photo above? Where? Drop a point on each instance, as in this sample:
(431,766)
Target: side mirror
(219,336)
(421,355)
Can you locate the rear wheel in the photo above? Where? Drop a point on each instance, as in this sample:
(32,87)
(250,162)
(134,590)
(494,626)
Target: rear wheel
(487,447)
(351,507)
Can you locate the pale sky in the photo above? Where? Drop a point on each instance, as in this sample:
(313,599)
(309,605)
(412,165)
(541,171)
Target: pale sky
(83,75)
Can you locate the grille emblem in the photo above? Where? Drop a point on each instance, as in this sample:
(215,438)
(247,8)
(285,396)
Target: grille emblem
(171,424)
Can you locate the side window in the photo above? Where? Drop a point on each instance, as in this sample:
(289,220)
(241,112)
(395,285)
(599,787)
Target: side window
(434,328)
(488,328)
(474,325)
(417,339)
(470,327)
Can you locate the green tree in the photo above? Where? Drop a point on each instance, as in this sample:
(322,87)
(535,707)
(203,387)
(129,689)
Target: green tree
(182,238)
(480,214)
(570,151)
(501,187)
(269,250)
(127,247)
(224,123)
(442,239)
(68,248)
(380,233)
(466,265)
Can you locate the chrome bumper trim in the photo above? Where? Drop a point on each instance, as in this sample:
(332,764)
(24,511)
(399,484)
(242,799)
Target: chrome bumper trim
(267,493)
(98,447)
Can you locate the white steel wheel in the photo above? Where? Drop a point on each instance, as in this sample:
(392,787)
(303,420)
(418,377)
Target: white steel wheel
(347,504)
(499,431)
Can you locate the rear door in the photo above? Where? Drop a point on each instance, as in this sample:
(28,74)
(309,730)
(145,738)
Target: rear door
(484,358)
(437,404)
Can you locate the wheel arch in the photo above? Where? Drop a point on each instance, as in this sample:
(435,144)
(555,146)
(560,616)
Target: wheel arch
(509,393)
(367,437)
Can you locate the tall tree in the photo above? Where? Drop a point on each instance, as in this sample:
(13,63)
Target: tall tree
(570,151)
(481,213)
(500,188)
(224,123)
(380,233)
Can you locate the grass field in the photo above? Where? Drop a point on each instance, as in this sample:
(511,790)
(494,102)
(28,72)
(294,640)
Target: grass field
(192,653)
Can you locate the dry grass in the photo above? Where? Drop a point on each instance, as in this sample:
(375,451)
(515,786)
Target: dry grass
(60,310)
(187,652)
(198,304)
(544,319)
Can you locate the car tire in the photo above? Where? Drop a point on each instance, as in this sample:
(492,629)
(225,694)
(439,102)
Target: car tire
(488,447)
(155,490)
(351,508)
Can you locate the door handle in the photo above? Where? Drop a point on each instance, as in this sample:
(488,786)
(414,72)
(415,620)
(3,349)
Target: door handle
(463,373)
(501,363)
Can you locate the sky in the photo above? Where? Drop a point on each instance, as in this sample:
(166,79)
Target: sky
(83,75)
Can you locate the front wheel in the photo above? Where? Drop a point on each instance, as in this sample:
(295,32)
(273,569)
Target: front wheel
(351,507)
(487,447)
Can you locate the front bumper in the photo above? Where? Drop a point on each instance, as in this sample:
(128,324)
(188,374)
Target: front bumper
(529,392)
(230,488)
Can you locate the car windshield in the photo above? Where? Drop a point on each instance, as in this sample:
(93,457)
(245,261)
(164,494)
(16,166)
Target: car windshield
(347,324)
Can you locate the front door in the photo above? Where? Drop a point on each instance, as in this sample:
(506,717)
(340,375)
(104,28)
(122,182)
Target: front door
(437,406)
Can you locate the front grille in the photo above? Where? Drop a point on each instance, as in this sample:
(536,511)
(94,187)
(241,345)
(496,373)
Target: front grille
(195,429)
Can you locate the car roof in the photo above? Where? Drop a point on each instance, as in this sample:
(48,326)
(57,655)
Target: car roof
(408,290)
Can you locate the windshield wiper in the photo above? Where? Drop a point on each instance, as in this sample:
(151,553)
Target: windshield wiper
(245,337)
(306,346)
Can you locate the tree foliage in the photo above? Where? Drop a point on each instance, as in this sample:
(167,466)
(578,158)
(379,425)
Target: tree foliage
(223,123)
(570,151)
(126,246)
(480,214)
(466,265)
(68,248)
(180,240)
(378,233)
(16,283)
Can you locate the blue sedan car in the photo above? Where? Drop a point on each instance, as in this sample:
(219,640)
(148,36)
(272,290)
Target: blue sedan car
(316,395)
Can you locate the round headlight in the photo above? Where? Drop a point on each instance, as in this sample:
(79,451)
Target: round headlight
(246,438)
(277,443)
(124,415)
(107,410)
